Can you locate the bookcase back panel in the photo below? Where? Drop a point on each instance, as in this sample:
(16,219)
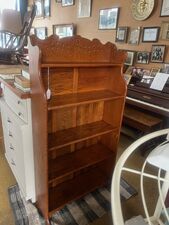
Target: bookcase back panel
(60,80)
(111,140)
(115,106)
(61,119)
(93,79)
(89,113)
(87,143)
(59,152)
(65,118)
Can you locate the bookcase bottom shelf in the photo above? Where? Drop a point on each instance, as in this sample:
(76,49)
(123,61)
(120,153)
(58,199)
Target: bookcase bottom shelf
(80,185)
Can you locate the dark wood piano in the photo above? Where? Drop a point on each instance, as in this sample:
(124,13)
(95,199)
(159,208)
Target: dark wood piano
(146,109)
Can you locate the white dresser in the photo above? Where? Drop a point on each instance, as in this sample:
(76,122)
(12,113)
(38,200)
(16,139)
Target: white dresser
(17,130)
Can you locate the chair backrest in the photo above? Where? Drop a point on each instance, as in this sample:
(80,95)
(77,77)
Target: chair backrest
(16,39)
(27,24)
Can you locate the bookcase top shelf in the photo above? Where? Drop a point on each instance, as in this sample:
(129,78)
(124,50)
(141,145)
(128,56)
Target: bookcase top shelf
(78,65)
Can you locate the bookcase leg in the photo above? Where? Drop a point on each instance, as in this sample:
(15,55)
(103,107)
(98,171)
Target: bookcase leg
(48,222)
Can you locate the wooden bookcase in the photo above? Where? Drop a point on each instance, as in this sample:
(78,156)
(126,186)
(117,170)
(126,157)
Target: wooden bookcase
(76,132)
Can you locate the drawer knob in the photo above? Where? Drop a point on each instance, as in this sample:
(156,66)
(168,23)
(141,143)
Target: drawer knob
(19,102)
(13,163)
(11,147)
(8,120)
(19,113)
(10,134)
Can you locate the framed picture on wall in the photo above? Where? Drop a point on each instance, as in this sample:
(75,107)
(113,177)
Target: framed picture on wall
(67,2)
(154,71)
(157,53)
(130,58)
(108,18)
(39,10)
(84,8)
(121,34)
(164,8)
(164,34)
(134,36)
(150,34)
(41,32)
(143,57)
(47,7)
(63,30)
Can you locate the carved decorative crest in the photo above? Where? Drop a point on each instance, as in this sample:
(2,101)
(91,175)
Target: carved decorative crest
(77,49)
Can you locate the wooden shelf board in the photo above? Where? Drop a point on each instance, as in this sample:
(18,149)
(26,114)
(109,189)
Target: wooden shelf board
(75,161)
(76,65)
(75,188)
(67,100)
(80,133)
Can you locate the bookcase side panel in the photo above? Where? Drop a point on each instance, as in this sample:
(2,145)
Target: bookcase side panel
(39,124)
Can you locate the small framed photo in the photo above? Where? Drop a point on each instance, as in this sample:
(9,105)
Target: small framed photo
(121,34)
(63,30)
(165,68)
(150,34)
(164,34)
(157,53)
(127,78)
(153,71)
(130,58)
(47,7)
(41,32)
(143,57)
(84,8)
(39,8)
(164,8)
(108,18)
(67,2)
(134,36)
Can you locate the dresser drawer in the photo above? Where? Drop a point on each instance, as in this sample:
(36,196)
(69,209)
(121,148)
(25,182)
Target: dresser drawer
(18,171)
(18,106)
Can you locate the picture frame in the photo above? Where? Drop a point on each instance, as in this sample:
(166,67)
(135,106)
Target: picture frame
(127,78)
(153,71)
(164,8)
(165,68)
(164,34)
(47,8)
(150,34)
(130,58)
(41,32)
(39,8)
(157,53)
(84,8)
(108,18)
(67,2)
(134,36)
(121,34)
(64,30)
(143,57)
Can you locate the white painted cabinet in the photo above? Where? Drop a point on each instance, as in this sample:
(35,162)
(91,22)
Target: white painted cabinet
(17,130)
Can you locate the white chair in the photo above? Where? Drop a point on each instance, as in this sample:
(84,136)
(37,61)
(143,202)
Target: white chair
(160,208)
